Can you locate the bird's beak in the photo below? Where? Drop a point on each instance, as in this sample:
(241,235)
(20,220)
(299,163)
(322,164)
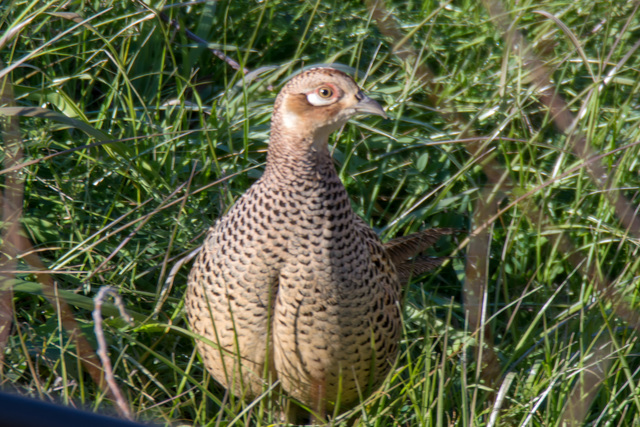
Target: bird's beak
(367,105)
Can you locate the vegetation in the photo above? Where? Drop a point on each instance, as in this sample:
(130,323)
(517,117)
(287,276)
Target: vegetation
(124,138)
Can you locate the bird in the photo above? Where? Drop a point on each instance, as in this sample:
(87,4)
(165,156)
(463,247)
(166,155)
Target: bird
(291,285)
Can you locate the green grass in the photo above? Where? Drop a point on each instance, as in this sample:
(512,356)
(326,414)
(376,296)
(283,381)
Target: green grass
(146,137)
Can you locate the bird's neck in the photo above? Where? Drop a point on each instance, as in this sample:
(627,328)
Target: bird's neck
(299,157)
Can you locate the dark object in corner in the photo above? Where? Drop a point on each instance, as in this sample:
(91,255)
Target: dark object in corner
(20,411)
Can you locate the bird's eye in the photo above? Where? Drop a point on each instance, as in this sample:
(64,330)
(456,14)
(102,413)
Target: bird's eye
(324,95)
(325,92)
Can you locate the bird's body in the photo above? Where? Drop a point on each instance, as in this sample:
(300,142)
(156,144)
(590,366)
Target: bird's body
(291,284)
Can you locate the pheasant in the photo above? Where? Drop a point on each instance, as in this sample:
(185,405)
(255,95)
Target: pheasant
(291,285)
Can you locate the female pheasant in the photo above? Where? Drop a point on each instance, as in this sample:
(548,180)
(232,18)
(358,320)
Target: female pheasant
(291,285)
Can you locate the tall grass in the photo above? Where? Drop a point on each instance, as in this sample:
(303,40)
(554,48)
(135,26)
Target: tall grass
(124,139)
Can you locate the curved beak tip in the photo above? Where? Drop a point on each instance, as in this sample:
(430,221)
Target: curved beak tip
(370,106)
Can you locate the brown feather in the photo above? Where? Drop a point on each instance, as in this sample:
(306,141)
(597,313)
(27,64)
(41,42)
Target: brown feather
(417,267)
(402,249)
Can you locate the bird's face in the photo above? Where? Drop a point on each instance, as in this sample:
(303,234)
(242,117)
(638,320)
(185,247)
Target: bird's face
(319,101)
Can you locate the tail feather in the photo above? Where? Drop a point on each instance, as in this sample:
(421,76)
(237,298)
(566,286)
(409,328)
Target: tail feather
(404,252)
(402,249)
(417,267)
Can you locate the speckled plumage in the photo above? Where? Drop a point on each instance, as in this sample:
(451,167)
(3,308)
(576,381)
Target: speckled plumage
(291,284)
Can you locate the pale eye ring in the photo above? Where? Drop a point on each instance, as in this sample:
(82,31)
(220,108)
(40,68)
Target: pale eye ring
(325,92)
(323,95)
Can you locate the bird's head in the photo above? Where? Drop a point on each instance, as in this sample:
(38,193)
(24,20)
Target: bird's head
(318,101)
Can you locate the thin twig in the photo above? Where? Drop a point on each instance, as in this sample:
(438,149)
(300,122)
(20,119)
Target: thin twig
(123,406)
(502,393)
(176,25)
(168,284)
(162,297)
(133,233)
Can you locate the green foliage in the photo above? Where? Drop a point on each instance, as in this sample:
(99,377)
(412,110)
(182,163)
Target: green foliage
(136,138)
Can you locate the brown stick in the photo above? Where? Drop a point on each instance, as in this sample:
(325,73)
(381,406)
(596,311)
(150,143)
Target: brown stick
(15,245)
(476,288)
(496,174)
(11,214)
(559,112)
(564,121)
(478,244)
